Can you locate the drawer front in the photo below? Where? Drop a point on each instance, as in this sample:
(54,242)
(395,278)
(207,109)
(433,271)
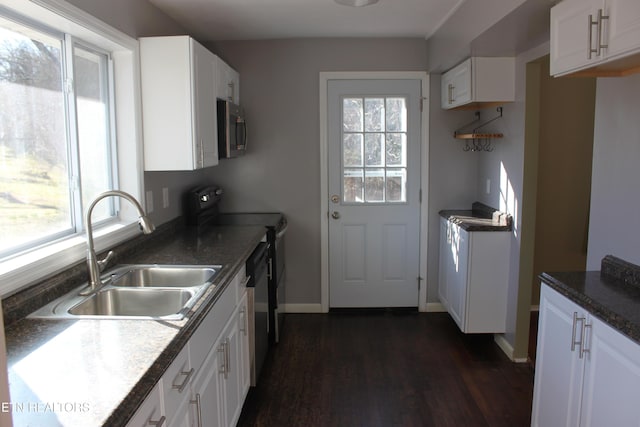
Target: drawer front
(176,381)
(150,411)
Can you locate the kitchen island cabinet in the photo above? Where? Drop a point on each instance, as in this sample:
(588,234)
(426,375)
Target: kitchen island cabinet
(587,371)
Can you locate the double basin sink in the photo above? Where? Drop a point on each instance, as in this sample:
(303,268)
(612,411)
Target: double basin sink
(155,292)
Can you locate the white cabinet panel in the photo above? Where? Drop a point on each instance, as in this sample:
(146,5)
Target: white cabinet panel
(587,373)
(150,411)
(178,103)
(473,277)
(479,82)
(595,37)
(559,369)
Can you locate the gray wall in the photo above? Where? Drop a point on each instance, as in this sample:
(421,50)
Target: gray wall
(615,193)
(279,89)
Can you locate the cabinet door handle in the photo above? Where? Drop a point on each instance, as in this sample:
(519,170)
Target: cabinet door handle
(227,360)
(158,423)
(576,319)
(583,347)
(223,366)
(243,322)
(187,377)
(601,46)
(196,402)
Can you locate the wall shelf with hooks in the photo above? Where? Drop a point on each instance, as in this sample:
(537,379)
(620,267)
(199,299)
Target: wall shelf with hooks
(480,141)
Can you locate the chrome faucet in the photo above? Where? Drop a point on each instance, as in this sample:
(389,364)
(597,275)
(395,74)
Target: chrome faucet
(96,266)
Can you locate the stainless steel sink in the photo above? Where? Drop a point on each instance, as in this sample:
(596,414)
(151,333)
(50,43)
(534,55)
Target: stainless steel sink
(162,276)
(134,302)
(146,292)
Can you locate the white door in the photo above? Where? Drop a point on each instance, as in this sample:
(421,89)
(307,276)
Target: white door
(374,191)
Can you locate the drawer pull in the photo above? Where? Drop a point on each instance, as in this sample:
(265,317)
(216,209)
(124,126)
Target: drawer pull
(158,423)
(196,402)
(187,377)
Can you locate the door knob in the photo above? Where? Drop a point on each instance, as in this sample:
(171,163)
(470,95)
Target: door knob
(335,198)
(335,215)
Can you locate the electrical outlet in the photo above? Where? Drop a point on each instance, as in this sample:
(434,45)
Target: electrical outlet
(149,203)
(165,197)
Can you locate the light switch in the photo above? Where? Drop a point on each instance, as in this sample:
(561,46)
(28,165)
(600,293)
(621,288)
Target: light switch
(149,201)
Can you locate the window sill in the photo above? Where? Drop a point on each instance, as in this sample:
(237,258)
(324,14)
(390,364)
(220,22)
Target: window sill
(18,272)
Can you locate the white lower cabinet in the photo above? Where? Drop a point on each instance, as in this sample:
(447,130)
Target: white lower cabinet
(207,383)
(587,373)
(473,277)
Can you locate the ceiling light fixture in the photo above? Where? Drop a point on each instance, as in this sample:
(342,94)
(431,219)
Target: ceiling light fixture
(356,3)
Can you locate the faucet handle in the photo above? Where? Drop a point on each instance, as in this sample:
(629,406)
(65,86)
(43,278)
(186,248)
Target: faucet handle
(103,262)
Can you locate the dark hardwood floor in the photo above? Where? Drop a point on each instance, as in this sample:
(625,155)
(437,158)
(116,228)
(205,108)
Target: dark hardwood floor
(385,369)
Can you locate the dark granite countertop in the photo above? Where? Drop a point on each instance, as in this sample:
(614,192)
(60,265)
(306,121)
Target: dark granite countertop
(97,372)
(479,218)
(608,294)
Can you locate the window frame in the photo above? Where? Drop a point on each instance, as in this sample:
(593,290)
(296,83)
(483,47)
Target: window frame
(29,267)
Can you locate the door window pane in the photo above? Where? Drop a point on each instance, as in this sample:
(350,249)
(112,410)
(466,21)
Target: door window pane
(374,138)
(352,147)
(352,115)
(374,149)
(353,185)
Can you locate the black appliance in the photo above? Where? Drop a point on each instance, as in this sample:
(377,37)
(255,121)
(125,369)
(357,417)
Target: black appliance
(258,297)
(232,130)
(201,204)
(276,225)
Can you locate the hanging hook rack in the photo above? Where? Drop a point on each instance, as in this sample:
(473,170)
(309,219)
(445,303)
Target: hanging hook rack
(479,141)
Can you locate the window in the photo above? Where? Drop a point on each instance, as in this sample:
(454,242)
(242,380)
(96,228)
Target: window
(55,148)
(374,150)
(69,129)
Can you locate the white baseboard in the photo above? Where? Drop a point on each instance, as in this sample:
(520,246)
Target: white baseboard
(435,307)
(507,348)
(302,308)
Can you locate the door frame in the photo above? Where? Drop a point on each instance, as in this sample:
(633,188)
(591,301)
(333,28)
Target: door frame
(325,77)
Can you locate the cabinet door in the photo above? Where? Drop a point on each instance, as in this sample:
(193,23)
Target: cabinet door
(444,262)
(150,411)
(622,27)
(559,370)
(233,397)
(611,380)
(457,275)
(456,85)
(572,35)
(243,353)
(205,121)
(207,399)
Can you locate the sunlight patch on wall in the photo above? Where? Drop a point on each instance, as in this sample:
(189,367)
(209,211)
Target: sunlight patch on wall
(508,201)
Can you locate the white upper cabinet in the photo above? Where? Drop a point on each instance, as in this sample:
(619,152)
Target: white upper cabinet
(479,82)
(179,104)
(595,37)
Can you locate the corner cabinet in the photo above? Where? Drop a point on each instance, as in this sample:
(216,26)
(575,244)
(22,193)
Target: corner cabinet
(208,381)
(587,373)
(473,277)
(178,104)
(479,82)
(595,37)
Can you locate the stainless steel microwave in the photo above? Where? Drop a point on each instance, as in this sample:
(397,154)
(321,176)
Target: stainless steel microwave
(232,130)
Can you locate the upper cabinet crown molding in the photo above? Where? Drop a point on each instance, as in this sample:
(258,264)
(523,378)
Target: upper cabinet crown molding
(595,37)
(479,82)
